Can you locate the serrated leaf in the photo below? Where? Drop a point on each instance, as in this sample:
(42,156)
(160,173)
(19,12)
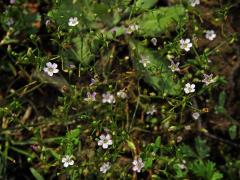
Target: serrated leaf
(155,22)
(201,148)
(85,49)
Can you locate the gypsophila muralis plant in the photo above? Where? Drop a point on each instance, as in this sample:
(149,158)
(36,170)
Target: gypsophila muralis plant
(118,90)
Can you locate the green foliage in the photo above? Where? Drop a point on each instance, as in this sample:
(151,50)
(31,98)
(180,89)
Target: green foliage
(156,73)
(144,4)
(219,108)
(36,174)
(159,21)
(205,170)
(232,130)
(64,88)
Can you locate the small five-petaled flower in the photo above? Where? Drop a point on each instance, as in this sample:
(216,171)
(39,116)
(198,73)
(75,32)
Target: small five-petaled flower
(51,68)
(67,160)
(174,66)
(108,98)
(137,164)
(154,41)
(185,44)
(73,21)
(105,141)
(195,115)
(90,97)
(105,167)
(210,35)
(132,28)
(189,88)
(194,2)
(122,94)
(144,61)
(151,110)
(208,79)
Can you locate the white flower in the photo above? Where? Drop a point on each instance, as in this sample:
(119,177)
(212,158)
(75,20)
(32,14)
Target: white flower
(90,97)
(210,35)
(51,68)
(108,98)
(151,111)
(10,21)
(67,160)
(208,79)
(105,167)
(194,2)
(132,28)
(137,164)
(188,127)
(174,67)
(154,41)
(12,1)
(195,115)
(105,141)
(182,166)
(122,94)
(185,44)
(48,22)
(144,61)
(189,88)
(179,139)
(93,81)
(73,21)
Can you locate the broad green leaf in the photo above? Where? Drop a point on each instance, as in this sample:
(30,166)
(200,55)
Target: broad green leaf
(107,17)
(148,163)
(155,22)
(115,32)
(85,49)
(156,73)
(145,4)
(36,174)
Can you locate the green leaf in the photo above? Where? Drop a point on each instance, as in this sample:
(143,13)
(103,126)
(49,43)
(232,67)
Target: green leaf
(36,174)
(131,145)
(148,163)
(186,151)
(205,170)
(158,142)
(107,17)
(73,134)
(217,176)
(156,74)
(85,49)
(232,131)
(145,4)
(155,22)
(201,148)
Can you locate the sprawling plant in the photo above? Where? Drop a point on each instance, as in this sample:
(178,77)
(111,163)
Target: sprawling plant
(119,89)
